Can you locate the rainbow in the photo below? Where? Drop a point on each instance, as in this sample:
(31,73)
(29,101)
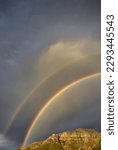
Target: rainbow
(26,99)
(51,100)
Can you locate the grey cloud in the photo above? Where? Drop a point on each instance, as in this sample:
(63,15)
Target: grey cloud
(6,143)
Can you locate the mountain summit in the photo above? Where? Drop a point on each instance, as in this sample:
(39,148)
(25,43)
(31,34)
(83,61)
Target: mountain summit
(79,139)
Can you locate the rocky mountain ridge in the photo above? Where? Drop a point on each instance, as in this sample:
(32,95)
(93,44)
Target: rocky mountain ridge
(79,139)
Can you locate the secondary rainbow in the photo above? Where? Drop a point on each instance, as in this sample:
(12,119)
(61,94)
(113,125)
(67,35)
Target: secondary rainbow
(26,99)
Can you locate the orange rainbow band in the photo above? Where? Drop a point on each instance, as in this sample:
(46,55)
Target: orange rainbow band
(51,100)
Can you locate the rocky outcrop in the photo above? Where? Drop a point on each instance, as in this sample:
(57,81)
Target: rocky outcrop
(79,139)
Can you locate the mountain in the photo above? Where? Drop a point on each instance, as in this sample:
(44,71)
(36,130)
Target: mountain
(79,139)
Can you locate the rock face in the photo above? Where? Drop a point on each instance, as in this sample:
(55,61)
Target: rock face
(79,139)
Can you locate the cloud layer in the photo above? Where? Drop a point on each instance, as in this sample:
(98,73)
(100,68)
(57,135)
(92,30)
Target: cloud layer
(6,143)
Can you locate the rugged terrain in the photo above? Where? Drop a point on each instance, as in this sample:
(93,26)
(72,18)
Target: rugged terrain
(79,139)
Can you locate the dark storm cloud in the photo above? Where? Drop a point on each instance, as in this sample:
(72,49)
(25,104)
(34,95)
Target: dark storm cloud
(28,27)
(27,19)
(6,143)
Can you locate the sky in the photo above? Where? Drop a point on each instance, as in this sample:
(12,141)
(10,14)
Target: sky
(44,46)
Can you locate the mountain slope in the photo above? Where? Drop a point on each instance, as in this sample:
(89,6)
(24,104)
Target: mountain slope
(79,139)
